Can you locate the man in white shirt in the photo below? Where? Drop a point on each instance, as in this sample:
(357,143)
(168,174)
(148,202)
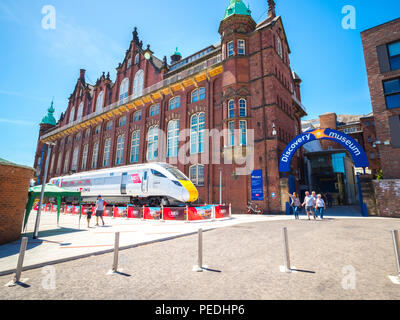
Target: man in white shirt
(309,204)
(314,195)
(99,209)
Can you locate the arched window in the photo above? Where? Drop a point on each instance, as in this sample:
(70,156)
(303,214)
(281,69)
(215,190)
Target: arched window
(197,127)
(243,132)
(72,115)
(242,108)
(122,121)
(66,161)
(109,125)
(198,94)
(231,133)
(174,103)
(280,50)
(119,157)
(58,170)
(135,146)
(137,116)
(87,133)
(154,110)
(100,100)
(123,89)
(138,84)
(84,156)
(231,109)
(137,58)
(98,129)
(106,157)
(196,174)
(173,138)
(80,111)
(95,155)
(152,143)
(74,163)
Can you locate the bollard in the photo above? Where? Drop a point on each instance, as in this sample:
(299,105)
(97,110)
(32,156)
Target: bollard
(286,247)
(396,243)
(187,213)
(230,210)
(213,213)
(17,277)
(116,251)
(200,252)
(143,213)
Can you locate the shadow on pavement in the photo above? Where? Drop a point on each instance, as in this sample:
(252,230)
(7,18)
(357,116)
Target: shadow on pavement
(12,248)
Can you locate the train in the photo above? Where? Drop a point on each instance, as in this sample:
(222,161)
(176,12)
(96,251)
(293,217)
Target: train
(152,184)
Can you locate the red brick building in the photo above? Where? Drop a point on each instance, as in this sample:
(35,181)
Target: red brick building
(244,83)
(382,58)
(360,127)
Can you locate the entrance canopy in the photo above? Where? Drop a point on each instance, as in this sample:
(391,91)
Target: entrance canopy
(356,151)
(50,191)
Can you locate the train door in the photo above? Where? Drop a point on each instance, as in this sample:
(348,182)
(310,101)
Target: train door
(145,182)
(124,179)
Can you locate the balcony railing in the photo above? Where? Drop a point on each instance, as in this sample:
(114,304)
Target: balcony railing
(153,88)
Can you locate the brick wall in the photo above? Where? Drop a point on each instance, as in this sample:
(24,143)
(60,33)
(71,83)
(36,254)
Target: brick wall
(387,194)
(371,40)
(14,185)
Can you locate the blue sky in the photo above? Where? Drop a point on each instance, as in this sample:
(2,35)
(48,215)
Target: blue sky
(37,64)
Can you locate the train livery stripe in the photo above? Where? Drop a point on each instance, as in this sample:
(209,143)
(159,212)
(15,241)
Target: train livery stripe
(193,193)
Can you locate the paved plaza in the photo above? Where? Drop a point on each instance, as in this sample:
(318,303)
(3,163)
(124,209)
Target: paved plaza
(337,258)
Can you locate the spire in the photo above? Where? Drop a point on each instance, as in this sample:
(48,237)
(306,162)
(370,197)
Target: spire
(135,36)
(271,9)
(49,118)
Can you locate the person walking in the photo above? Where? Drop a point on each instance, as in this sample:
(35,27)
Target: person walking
(89,216)
(314,195)
(99,210)
(320,206)
(309,204)
(295,204)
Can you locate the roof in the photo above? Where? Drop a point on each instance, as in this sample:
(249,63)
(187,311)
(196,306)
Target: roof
(237,7)
(53,190)
(9,163)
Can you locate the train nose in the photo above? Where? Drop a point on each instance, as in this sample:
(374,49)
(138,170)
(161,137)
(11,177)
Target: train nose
(191,189)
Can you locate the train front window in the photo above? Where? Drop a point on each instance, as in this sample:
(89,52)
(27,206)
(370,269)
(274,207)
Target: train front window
(157,174)
(176,173)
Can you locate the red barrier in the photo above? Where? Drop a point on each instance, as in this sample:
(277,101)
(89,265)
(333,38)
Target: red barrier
(174,214)
(152,213)
(200,213)
(120,212)
(134,213)
(221,212)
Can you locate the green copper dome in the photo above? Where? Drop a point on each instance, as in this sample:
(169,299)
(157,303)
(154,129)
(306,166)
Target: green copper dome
(177,53)
(49,119)
(237,7)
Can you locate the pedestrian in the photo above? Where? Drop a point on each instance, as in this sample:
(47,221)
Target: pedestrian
(314,195)
(295,204)
(99,209)
(320,206)
(309,204)
(88,215)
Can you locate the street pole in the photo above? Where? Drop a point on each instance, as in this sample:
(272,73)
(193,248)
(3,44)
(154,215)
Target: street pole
(220,186)
(36,231)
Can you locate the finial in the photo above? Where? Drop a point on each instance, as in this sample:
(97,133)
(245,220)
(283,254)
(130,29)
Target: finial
(271,9)
(135,35)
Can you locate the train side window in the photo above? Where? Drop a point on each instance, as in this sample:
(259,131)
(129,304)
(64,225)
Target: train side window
(157,174)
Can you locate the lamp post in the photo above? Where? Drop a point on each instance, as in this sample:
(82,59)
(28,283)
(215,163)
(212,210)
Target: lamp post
(220,186)
(36,230)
